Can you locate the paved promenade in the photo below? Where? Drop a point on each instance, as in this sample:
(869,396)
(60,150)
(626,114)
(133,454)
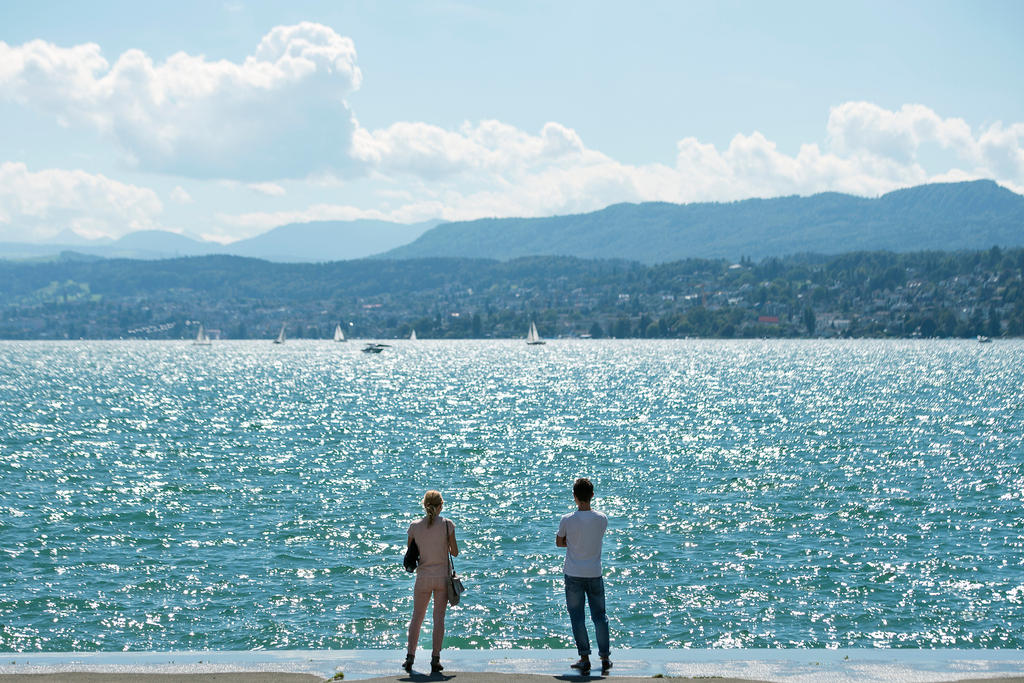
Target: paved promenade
(515,666)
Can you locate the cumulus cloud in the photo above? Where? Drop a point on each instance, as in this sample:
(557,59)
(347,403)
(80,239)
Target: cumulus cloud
(1001,149)
(752,166)
(268,189)
(432,152)
(39,205)
(279,113)
(181,195)
(494,169)
(855,127)
(863,129)
(491,168)
(419,171)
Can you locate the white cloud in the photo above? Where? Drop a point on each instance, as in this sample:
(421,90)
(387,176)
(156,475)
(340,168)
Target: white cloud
(39,205)
(279,113)
(494,169)
(856,127)
(752,166)
(181,195)
(431,152)
(489,169)
(1001,149)
(862,128)
(419,171)
(268,189)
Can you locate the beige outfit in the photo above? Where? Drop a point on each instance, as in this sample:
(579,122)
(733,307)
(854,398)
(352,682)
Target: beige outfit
(431,578)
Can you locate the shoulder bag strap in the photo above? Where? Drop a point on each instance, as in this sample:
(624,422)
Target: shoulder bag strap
(447,545)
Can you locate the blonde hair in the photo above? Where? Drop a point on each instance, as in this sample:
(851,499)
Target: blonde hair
(432,502)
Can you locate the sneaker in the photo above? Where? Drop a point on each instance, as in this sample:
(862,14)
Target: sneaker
(583,666)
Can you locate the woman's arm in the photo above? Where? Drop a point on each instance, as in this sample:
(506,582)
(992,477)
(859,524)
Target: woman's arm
(453,545)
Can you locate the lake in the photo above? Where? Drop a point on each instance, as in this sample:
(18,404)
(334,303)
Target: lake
(165,496)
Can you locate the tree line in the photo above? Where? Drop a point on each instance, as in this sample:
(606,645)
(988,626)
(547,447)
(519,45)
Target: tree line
(860,294)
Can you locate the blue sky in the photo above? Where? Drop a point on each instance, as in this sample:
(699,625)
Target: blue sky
(223,120)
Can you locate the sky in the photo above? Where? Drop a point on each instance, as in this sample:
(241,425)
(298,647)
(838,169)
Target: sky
(221,120)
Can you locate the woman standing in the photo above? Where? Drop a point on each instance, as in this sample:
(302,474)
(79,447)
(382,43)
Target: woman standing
(435,537)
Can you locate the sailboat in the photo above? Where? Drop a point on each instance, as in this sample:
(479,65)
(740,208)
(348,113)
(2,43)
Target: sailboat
(280,336)
(412,337)
(202,339)
(338,334)
(533,338)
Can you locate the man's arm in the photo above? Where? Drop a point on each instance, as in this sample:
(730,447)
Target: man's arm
(561,539)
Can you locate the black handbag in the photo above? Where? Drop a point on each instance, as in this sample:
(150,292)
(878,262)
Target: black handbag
(412,556)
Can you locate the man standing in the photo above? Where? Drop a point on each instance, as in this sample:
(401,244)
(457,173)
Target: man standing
(580,533)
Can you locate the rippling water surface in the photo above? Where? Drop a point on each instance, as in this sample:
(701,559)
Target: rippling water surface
(165,496)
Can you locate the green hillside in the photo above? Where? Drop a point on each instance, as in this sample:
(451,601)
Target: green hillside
(949,216)
(862,294)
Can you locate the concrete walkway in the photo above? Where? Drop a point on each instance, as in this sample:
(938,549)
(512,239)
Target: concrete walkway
(516,666)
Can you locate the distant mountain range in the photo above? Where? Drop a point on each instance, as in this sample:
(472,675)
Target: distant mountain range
(944,216)
(295,242)
(947,216)
(327,240)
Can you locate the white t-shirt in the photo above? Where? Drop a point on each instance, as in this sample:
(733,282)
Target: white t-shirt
(583,531)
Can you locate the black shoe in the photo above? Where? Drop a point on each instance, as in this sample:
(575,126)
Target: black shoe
(583,666)
(407,664)
(606,665)
(435,665)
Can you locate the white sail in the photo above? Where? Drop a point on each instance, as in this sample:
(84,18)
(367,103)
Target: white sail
(412,337)
(533,337)
(202,339)
(338,334)
(280,336)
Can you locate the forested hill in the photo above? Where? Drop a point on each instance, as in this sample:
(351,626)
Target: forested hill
(947,216)
(858,294)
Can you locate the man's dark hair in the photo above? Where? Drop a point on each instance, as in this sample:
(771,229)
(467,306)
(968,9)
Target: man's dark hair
(583,489)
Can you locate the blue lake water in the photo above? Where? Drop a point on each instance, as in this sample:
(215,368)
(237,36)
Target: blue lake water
(163,496)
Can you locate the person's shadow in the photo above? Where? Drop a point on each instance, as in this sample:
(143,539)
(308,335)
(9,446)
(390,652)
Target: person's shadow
(428,678)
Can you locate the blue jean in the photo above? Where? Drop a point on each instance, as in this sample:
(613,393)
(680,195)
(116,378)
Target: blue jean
(576,587)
